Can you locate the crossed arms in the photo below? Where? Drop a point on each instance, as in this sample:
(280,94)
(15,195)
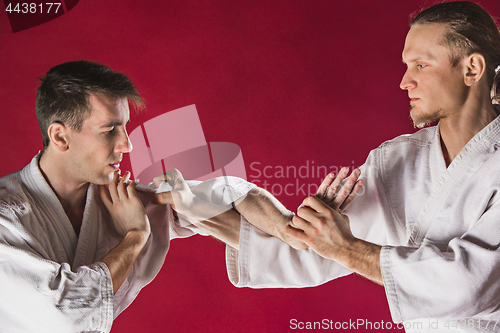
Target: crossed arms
(319,223)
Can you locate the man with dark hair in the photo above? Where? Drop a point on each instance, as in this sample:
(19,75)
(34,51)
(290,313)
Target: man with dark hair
(69,264)
(427,226)
(75,255)
(63,95)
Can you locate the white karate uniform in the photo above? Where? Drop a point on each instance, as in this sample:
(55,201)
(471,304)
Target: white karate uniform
(440,228)
(53,281)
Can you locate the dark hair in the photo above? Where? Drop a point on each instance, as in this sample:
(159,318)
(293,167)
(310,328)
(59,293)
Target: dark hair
(472,30)
(63,95)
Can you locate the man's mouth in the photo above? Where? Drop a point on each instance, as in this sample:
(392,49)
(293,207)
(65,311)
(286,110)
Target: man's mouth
(115,166)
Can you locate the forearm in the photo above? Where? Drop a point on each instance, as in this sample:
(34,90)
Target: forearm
(225,227)
(261,209)
(121,259)
(362,258)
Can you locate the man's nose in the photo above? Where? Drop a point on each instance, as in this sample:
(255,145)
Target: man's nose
(407,81)
(124,145)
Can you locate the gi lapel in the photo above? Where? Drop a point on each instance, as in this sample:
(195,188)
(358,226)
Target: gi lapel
(447,179)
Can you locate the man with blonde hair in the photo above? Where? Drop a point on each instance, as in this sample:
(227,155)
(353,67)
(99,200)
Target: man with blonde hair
(427,226)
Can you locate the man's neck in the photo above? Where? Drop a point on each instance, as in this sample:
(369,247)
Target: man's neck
(458,129)
(70,193)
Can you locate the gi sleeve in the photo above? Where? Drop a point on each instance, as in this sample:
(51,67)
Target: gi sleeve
(221,192)
(264,261)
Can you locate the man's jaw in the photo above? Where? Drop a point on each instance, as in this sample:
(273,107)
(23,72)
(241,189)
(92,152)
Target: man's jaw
(420,119)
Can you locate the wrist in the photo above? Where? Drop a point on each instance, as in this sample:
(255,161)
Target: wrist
(347,253)
(279,228)
(136,236)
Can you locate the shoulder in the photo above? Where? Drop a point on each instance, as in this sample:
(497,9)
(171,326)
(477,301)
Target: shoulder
(14,206)
(407,146)
(13,198)
(419,139)
(10,185)
(403,152)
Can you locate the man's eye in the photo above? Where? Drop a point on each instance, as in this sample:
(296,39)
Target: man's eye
(420,66)
(111,130)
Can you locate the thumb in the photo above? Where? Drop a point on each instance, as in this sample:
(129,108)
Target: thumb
(176,180)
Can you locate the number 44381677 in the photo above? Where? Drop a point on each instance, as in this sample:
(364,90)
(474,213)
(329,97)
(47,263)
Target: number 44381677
(24,8)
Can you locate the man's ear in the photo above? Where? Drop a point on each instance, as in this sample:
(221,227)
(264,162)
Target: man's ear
(475,68)
(58,135)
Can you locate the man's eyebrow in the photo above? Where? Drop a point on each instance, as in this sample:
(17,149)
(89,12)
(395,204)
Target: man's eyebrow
(425,57)
(412,60)
(113,124)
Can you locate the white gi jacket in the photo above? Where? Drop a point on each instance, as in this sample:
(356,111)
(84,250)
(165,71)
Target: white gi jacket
(53,281)
(440,228)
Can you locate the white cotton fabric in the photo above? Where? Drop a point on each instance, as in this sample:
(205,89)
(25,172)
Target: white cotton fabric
(440,228)
(53,281)
(206,202)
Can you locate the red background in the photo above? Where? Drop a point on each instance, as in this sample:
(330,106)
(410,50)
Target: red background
(293,83)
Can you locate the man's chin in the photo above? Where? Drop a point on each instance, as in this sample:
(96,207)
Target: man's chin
(109,179)
(421,121)
(104,180)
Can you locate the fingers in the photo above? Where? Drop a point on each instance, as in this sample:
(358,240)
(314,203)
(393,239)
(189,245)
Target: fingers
(122,186)
(299,222)
(346,189)
(118,189)
(304,213)
(176,180)
(112,186)
(173,177)
(314,204)
(295,233)
(339,198)
(131,189)
(330,184)
(350,198)
(158,179)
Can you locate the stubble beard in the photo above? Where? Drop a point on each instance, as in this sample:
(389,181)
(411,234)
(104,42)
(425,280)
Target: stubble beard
(420,121)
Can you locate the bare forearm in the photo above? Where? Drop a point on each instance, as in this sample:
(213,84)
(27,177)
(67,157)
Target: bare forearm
(225,227)
(260,209)
(362,258)
(121,259)
(264,211)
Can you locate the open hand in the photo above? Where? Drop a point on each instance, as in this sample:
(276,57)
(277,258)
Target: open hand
(124,205)
(329,191)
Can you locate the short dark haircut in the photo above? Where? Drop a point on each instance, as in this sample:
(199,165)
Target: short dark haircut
(64,92)
(471,30)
